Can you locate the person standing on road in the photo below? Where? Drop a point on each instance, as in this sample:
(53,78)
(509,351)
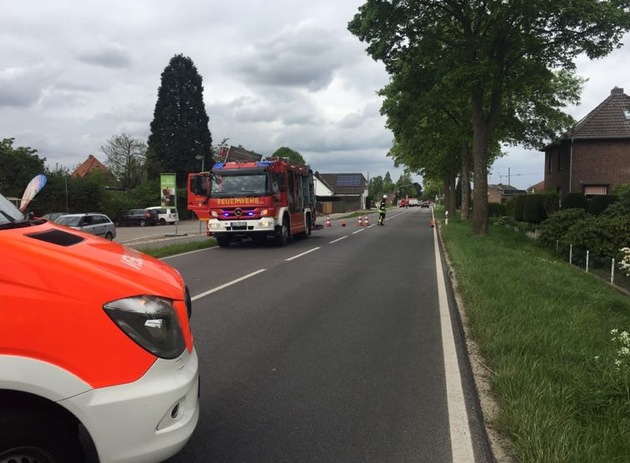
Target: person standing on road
(381,210)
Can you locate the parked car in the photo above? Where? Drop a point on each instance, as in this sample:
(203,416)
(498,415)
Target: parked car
(166,215)
(91,222)
(425,203)
(53,215)
(142,217)
(96,348)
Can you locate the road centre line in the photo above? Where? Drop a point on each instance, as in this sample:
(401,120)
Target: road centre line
(461,443)
(303,254)
(230,283)
(337,240)
(358,231)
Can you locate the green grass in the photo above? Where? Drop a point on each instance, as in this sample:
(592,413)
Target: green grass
(180,248)
(540,324)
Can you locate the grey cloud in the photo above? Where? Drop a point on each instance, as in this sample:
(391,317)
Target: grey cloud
(110,56)
(300,56)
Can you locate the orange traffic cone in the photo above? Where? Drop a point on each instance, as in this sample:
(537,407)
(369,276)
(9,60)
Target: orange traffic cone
(360,221)
(366,221)
(328,223)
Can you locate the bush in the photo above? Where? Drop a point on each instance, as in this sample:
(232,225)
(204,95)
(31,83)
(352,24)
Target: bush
(598,204)
(602,236)
(620,207)
(555,227)
(574,201)
(551,203)
(519,205)
(533,208)
(496,210)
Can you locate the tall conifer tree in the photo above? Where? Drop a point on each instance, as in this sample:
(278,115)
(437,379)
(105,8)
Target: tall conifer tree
(180,137)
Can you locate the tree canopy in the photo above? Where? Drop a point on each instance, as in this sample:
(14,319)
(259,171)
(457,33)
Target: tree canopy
(126,159)
(180,136)
(292,155)
(508,65)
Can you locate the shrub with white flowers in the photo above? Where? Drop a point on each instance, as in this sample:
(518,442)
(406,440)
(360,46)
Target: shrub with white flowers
(621,339)
(624,265)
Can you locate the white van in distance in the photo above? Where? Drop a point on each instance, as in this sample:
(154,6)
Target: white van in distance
(166,215)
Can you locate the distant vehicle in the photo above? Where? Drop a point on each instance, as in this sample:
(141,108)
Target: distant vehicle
(142,217)
(53,215)
(403,203)
(425,203)
(97,357)
(413,202)
(91,222)
(166,215)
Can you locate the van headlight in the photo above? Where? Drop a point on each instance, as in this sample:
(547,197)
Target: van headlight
(151,322)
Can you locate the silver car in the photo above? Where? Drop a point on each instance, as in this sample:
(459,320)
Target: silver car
(91,222)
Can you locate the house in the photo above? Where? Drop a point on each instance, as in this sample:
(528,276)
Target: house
(537,188)
(594,156)
(501,193)
(91,164)
(340,192)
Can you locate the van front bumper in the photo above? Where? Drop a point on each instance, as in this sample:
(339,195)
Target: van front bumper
(148,420)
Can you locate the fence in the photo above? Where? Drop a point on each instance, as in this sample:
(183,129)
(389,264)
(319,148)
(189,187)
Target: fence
(604,267)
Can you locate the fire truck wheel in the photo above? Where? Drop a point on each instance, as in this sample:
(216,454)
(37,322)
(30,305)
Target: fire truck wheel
(224,241)
(282,233)
(31,436)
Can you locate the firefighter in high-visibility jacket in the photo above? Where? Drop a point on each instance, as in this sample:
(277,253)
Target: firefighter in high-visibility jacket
(381,210)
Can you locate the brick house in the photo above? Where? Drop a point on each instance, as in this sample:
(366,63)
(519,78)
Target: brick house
(91,164)
(500,193)
(594,156)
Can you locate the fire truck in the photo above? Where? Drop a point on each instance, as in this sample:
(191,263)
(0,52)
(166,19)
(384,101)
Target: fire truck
(273,198)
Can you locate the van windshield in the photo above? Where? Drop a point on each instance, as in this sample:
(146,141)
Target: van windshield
(9,213)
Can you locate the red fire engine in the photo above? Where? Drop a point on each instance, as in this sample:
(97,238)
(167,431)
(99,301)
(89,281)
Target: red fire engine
(273,198)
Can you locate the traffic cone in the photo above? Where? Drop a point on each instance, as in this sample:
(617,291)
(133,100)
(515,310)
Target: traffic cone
(432,223)
(366,221)
(328,223)
(360,221)
(343,222)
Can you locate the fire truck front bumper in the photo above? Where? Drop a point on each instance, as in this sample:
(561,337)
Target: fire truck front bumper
(264,224)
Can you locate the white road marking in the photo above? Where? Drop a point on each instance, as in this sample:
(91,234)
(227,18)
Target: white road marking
(302,254)
(230,283)
(461,443)
(337,240)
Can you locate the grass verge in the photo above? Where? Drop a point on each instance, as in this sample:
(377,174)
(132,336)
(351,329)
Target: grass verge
(179,248)
(543,327)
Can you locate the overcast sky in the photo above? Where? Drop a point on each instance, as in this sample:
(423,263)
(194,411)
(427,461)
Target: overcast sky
(275,73)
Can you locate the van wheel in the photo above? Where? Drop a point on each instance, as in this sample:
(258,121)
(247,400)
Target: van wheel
(162,222)
(30,436)
(143,223)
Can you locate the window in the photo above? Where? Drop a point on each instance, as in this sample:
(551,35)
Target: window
(595,190)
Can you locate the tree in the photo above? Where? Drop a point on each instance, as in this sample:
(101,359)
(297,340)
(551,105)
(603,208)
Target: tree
(500,55)
(126,159)
(292,155)
(180,136)
(17,167)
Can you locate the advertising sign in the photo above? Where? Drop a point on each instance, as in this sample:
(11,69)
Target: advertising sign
(167,190)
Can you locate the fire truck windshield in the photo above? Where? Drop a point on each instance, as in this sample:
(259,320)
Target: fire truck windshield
(239,183)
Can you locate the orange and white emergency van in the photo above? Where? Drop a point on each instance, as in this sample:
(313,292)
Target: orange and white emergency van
(96,348)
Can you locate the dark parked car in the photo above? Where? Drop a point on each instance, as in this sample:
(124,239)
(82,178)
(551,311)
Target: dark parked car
(142,217)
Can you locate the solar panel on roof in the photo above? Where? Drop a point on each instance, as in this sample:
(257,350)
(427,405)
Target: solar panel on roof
(349,180)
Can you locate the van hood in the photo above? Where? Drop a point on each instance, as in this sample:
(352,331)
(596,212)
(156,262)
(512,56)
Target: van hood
(89,265)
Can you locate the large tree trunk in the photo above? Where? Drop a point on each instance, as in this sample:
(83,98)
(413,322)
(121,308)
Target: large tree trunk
(480,176)
(465,182)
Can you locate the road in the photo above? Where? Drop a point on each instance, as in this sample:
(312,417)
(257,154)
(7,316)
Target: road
(343,347)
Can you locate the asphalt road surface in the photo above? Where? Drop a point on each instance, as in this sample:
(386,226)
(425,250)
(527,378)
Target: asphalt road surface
(342,347)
